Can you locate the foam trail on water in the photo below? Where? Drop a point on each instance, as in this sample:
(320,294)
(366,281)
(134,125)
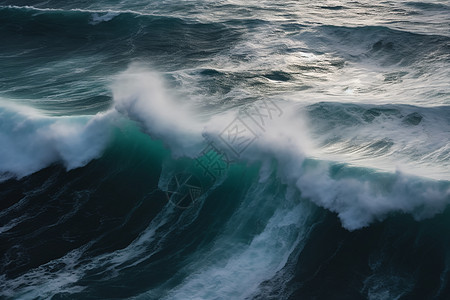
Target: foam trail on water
(237,262)
(67,271)
(97,18)
(417,140)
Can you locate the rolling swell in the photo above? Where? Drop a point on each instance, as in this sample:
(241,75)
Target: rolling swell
(380,44)
(84,30)
(104,246)
(354,128)
(82,46)
(153,234)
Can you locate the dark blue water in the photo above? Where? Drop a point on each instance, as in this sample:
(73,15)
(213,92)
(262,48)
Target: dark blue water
(224,150)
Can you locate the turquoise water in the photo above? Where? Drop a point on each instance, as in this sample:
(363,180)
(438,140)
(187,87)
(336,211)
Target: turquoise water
(224,150)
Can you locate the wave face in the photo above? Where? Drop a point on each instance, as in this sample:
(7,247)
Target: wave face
(224,150)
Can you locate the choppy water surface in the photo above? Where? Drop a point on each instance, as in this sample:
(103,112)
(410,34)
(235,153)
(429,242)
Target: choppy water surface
(224,149)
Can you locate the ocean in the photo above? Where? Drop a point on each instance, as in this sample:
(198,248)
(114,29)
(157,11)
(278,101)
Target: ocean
(224,149)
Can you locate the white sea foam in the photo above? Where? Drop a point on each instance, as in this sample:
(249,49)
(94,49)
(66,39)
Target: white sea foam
(141,96)
(358,195)
(234,267)
(98,18)
(32,141)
